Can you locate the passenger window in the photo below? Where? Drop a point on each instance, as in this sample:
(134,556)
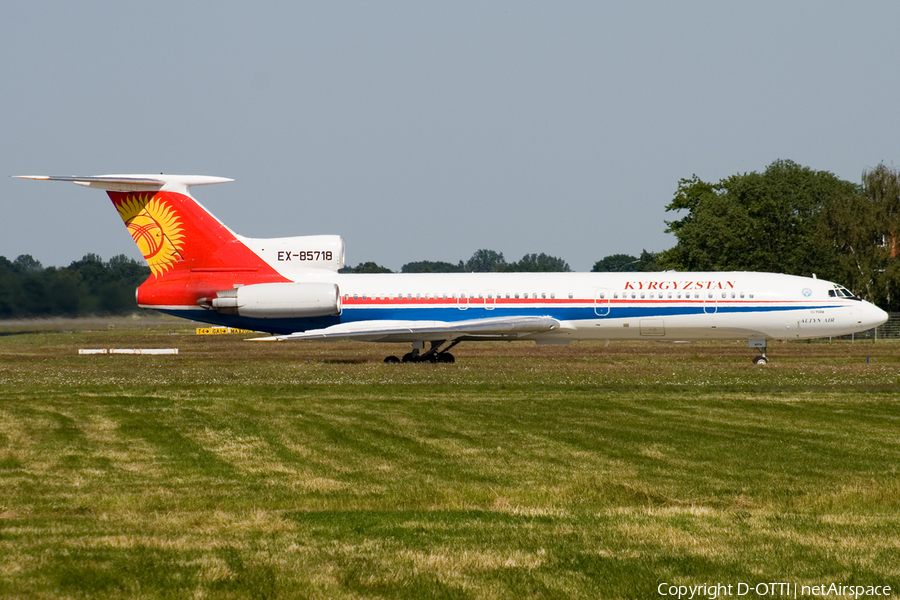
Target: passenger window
(633,295)
(552,296)
(543,295)
(670,294)
(751,295)
(570,296)
(678,295)
(602,295)
(742,294)
(642,295)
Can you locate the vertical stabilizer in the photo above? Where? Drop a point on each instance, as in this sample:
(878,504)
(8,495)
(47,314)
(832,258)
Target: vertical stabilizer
(189,251)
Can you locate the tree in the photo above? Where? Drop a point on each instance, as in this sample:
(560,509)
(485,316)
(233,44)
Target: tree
(541,263)
(66,292)
(25,263)
(366,267)
(648,262)
(11,292)
(863,230)
(128,269)
(428,266)
(881,186)
(851,227)
(615,263)
(485,261)
(624,263)
(765,221)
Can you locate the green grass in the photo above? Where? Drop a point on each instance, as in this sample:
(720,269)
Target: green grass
(237,470)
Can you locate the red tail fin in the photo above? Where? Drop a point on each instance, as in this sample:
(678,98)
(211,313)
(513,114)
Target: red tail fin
(190,252)
(175,233)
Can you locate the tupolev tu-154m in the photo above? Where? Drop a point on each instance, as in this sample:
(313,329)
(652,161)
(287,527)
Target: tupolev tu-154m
(290,287)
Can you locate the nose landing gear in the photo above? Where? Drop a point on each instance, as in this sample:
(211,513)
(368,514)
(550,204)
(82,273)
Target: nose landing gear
(760,345)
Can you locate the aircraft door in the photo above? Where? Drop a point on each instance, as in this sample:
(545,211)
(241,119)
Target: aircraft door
(601,302)
(490,299)
(462,300)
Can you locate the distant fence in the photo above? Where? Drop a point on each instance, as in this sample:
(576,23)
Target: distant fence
(888,331)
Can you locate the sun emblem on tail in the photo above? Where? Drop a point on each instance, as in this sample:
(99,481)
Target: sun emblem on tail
(156,230)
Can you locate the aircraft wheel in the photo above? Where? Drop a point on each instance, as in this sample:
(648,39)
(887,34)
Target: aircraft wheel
(760,360)
(445,357)
(408,357)
(391,359)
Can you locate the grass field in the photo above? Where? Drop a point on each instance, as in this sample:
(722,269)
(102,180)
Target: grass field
(238,470)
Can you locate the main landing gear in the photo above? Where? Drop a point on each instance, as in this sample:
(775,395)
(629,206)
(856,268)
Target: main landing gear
(760,345)
(432,355)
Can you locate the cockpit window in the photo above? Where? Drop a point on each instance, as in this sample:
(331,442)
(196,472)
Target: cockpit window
(840,291)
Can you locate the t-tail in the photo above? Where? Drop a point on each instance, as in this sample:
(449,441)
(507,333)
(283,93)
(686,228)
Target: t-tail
(193,257)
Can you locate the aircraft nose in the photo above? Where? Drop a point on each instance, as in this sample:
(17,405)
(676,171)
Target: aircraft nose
(872,316)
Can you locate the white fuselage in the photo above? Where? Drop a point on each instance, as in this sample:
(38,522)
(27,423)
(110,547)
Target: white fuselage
(615,306)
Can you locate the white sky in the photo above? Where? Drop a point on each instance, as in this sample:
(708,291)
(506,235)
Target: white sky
(425,131)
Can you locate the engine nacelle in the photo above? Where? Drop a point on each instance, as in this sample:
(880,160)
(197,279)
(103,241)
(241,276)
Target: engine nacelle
(280,300)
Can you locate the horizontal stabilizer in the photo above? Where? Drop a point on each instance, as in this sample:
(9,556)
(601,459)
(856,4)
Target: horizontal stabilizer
(401,331)
(133,183)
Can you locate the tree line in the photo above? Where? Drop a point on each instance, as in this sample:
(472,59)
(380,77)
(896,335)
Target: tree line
(88,286)
(483,261)
(786,219)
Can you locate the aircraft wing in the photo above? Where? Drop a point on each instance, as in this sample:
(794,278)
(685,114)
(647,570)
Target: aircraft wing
(499,328)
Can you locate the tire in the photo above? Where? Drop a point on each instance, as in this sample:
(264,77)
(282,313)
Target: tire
(445,357)
(392,359)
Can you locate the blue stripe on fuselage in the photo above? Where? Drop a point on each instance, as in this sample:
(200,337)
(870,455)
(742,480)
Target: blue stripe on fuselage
(452,313)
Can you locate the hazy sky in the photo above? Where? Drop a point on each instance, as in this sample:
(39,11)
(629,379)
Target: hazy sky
(424,130)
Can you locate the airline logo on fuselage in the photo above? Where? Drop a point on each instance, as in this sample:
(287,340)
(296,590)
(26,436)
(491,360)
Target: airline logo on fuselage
(679,285)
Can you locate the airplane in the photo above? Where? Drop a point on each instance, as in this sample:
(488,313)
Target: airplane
(291,287)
